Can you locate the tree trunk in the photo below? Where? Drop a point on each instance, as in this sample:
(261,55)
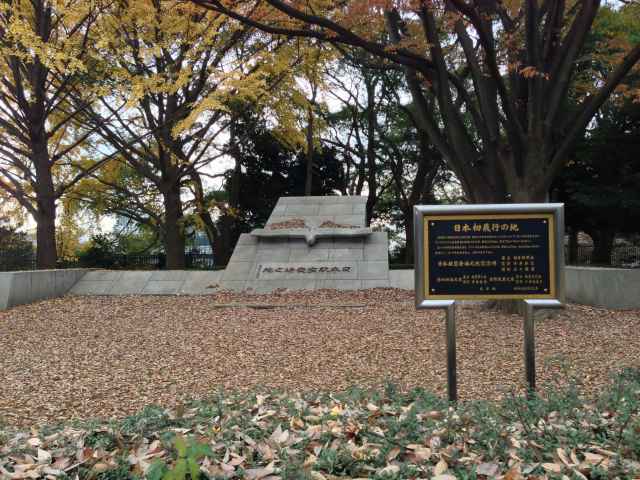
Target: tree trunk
(308,179)
(602,246)
(573,247)
(408,228)
(46,253)
(174,243)
(228,223)
(203,212)
(372,180)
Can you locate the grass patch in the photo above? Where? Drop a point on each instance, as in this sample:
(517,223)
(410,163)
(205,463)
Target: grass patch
(381,434)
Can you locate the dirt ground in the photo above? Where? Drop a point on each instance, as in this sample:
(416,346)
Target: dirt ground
(81,357)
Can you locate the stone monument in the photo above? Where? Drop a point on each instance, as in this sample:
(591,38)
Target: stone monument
(311,243)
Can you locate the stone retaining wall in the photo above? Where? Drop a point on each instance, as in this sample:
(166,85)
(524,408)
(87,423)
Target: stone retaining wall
(19,288)
(161,282)
(604,287)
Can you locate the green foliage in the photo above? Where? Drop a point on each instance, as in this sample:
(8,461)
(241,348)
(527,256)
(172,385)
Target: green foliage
(186,466)
(380,434)
(270,170)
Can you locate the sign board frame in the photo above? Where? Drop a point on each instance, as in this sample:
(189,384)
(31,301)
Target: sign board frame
(447,302)
(552,211)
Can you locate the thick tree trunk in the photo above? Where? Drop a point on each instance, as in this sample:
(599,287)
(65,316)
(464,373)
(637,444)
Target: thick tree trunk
(46,254)
(227,239)
(204,214)
(173,233)
(228,224)
(602,246)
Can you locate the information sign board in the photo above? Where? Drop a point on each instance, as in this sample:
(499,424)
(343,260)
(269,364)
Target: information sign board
(489,252)
(476,252)
(489,256)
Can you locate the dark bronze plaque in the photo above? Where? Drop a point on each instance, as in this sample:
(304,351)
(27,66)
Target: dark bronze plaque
(489,256)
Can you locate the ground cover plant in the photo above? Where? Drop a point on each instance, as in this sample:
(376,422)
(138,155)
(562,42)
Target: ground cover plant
(380,434)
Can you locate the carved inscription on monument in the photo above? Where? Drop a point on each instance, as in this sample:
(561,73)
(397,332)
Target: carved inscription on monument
(326,270)
(489,256)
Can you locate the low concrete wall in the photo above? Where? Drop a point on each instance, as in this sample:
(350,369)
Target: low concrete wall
(160,282)
(404,279)
(603,287)
(18,288)
(606,287)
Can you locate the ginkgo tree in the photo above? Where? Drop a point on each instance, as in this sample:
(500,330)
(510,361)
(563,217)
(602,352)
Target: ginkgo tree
(179,69)
(489,79)
(45,53)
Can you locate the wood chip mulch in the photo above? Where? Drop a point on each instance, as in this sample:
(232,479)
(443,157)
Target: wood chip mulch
(80,357)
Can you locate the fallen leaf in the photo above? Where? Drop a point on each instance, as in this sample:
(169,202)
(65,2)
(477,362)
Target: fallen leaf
(393,453)
(440,467)
(488,469)
(552,467)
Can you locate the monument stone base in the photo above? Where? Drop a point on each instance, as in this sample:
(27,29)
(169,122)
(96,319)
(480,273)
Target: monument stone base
(311,243)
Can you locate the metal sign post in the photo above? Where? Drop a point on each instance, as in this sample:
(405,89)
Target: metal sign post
(489,252)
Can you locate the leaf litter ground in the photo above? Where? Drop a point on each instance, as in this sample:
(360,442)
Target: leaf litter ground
(83,357)
(86,357)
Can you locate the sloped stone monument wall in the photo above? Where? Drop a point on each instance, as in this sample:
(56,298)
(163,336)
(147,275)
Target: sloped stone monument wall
(311,243)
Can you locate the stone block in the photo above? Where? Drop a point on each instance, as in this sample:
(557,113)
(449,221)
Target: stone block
(234,285)
(130,283)
(347,199)
(603,287)
(311,254)
(162,287)
(274,255)
(276,219)
(43,285)
(403,279)
(168,275)
(198,283)
(336,209)
(6,284)
(353,242)
(238,271)
(377,237)
(21,292)
(359,209)
(92,287)
(380,283)
(300,200)
(281,259)
(270,244)
(247,239)
(346,254)
(300,243)
(102,275)
(64,280)
(357,220)
(302,210)
(376,251)
(244,253)
(342,270)
(373,270)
